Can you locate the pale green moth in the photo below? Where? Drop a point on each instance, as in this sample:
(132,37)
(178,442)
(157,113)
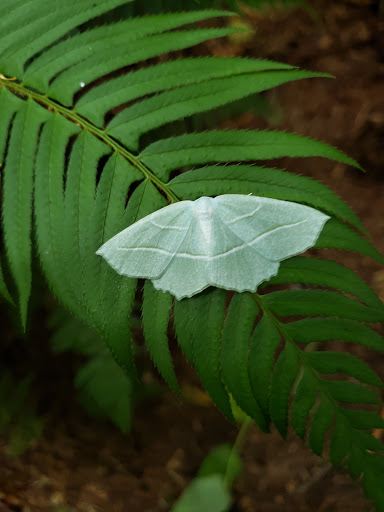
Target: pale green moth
(231,241)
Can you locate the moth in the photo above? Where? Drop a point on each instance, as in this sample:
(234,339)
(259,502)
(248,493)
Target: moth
(230,241)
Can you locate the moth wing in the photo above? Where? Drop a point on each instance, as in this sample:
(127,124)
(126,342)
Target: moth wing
(186,273)
(275,229)
(145,248)
(240,267)
(215,254)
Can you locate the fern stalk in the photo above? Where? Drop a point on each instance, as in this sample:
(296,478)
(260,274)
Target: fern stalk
(91,128)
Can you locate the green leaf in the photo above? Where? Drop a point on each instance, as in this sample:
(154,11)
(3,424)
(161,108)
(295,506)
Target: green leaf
(222,460)
(70,334)
(156,310)
(100,379)
(3,287)
(341,441)
(337,235)
(101,284)
(355,461)
(104,388)
(322,329)
(28,428)
(9,105)
(230,146)
(320,272)
(283,377)
(351,392)
(186,323)
(372,480)
(144,200)
(96,102)
(82,47)
(64,87)
(120,296)
(198,322)
(17,197)
(28,29)
(303,401)
(234,355)
(364,420)
(264,343)
(49,207)
(318,302)
(335,362)
(204,493)
(78,205)
(265,182)
(180,103)
(321,422)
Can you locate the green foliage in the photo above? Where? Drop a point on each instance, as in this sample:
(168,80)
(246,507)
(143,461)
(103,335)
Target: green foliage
(209,490)
(204,493)
(104,388)
(77,111)
(223,460)
(18,419)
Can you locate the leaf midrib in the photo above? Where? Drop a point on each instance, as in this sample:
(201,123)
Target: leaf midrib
(77,119)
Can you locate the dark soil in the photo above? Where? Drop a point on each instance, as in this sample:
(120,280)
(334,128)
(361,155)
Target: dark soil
(85,464)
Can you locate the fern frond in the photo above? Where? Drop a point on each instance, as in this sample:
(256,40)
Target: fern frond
(105,383)
(78,205)
(344,391)
(264,343)
(82,48)
(17,200)
(167,155)
(108,294)
(98,101)
(170,106)
(201,318)
(265,182)
(303,401)
(318,272)
(372,479)
(30,27)
(106,221)
(118,292)
(364,420)
(322,329)
(283,377)
(319,302)
(104,388)
(156,310)
(318,407)
(339,236)
(4,292)
(9,105)
(234,355)
(336,362)
(65,86)
(321,421)
(49,204)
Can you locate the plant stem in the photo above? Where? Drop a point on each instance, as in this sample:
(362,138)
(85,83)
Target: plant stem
(237,448)
(86,125)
